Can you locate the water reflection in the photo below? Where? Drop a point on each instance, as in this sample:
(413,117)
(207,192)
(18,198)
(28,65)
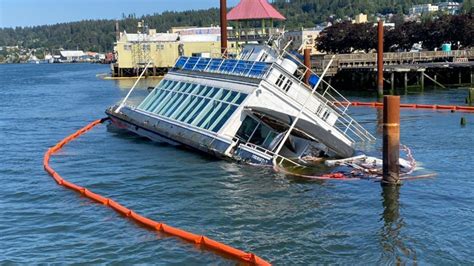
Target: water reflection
(394,248)
(127,83)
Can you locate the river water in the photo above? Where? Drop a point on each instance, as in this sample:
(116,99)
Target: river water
(283,219)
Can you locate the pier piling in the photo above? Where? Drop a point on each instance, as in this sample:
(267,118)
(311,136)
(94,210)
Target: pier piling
(380,59)
(307,63)
(223,11)
(391,140)
(470,97)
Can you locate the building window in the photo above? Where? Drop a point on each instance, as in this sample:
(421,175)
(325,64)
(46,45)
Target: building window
(127,47)
(146,47)
(280,80)
(287,85)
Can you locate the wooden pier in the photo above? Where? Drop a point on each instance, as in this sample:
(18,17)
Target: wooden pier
(403,68)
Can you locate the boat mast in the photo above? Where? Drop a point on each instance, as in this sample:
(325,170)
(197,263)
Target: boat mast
(133,87)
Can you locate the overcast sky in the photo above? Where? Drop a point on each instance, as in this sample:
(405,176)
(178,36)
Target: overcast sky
(38,12)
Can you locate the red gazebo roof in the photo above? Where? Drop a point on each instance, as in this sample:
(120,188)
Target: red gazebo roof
(254,9)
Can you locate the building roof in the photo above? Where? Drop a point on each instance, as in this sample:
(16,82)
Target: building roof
(67,53)
(254,9)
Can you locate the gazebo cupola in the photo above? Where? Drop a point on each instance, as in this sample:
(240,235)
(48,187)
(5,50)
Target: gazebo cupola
(254,20)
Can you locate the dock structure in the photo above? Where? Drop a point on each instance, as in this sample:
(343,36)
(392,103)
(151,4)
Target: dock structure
(404,67)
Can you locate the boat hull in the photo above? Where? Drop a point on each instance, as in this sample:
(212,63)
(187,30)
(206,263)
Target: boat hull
(161,130)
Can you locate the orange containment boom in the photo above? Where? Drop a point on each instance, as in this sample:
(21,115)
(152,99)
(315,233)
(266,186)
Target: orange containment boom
(153,225)
(469,109)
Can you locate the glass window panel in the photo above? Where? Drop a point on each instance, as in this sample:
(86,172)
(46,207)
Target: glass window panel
(198,110)
(240,98)
(181,107)
(222,94)
(269,139)
(149,101)
(260,134)
(217,110)
(214,65)
(204,90)
(169,85)
(212,92)
(162,102)
(211,108)
(246,129)
(175,105)
(181,61)
(162,109)
(158,100)
(222,119)
(187,111)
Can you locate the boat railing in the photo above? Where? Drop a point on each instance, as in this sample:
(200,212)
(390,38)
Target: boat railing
(242,68)
(268,152)
(328,98)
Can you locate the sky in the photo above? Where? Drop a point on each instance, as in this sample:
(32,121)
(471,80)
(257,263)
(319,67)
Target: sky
(39,12)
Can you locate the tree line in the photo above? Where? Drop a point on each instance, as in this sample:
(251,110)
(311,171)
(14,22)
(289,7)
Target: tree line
(99,35)
(346,37)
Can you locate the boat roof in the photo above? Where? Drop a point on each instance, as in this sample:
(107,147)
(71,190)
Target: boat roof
(312,129)
(254,9)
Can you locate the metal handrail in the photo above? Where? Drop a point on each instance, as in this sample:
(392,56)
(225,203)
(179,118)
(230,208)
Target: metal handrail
(333,104)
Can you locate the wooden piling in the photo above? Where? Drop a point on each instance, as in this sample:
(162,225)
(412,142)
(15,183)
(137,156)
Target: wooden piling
(392,83)
(470,97)
(223,17)
(422,80)
(380,59)
(391,140)
(307,63)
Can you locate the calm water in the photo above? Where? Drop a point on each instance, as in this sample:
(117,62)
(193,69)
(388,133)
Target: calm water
(282,219)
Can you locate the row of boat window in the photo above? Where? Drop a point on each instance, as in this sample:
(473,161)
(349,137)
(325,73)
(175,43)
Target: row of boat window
(227,66)
(198,105)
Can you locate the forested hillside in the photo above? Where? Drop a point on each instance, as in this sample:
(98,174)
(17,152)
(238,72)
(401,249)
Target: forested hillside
(99,35)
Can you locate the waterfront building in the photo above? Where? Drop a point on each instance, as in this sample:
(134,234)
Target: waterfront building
(449,7)
(70,56)
(133,51)
(423,9)
(303,38)
(360,18)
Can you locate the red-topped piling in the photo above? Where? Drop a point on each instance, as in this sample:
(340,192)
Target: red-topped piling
(307,63)
(224,28)
(380,59)
(391,140)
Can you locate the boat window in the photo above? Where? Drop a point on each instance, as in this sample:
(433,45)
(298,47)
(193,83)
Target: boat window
(260,134)
(200,112)
(280,80)
(287,85)
(220,121)
(326,115)
(206,107)
(247,128)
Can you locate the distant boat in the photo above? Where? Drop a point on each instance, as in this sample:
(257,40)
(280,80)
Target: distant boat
(254,109)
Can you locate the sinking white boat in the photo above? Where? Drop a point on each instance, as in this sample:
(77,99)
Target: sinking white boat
(256,109)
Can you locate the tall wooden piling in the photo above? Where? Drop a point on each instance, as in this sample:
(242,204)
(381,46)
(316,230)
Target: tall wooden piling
(307,63)
(391,140)
(380,59)
(223,9)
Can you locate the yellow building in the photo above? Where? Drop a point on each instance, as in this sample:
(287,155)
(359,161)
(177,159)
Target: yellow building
(134,50)
(361,18)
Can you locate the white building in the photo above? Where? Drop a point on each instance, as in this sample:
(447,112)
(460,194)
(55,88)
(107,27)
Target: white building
(72,56)
(449,7)
(423,9)
(304,38)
